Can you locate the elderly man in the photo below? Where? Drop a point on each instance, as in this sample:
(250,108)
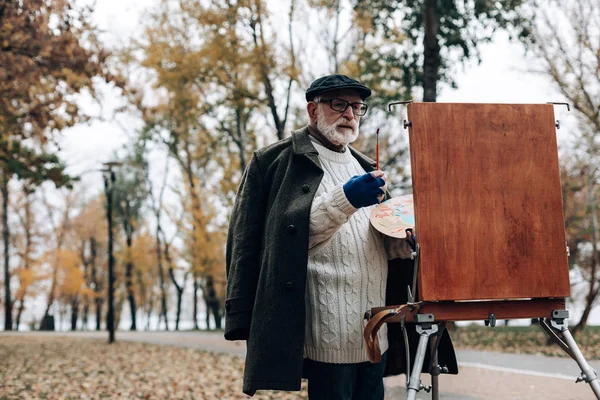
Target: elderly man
(303,261)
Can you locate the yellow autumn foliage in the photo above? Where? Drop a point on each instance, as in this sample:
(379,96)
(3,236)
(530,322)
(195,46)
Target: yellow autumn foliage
(70,278)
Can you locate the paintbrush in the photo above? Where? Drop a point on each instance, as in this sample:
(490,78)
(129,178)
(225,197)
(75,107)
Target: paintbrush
(377,151)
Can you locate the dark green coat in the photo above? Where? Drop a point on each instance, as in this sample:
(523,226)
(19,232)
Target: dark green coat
(267,256)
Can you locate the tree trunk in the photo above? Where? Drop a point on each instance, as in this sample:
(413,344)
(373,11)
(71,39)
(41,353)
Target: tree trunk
(110,314)
(51,294)
(161,276)
(212,303)
(195,307)
(260,47)
(119,304)
(129,285)
(589,300)
(197,213)
(6,234)
(88,283)
(97,289)
(216,311)
(19,314)
(98,304)
(177,318)
(149,313)
(241,136)
(84,317)
(593,291)
(27,223)
(431,53)
(74,313)
(178,287)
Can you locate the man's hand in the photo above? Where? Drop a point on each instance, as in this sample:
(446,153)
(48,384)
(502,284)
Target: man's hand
(411,239)
(382,175)
(366,190)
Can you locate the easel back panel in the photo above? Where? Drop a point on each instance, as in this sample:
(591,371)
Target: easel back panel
(488,202)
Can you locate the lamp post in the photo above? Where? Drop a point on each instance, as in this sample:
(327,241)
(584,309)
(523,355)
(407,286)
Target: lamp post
(109,183)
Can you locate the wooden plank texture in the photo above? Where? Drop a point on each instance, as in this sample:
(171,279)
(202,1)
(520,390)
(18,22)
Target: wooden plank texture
(480,310)
(488,202)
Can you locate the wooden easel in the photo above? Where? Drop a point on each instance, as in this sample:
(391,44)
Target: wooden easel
(489,223)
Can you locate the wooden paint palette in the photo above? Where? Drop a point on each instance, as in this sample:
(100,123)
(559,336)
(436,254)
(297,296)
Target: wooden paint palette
(393,216)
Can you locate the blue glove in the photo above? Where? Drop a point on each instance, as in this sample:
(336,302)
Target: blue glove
(362,191)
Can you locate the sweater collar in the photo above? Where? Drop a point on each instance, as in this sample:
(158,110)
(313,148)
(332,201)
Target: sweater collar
(302,144)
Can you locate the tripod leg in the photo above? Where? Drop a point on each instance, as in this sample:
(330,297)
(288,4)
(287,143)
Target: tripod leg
(435,388)
(436,369)
(414,383)
(557,339)
(587,373)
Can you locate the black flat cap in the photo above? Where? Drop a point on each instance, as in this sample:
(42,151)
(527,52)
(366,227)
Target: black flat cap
(336,81)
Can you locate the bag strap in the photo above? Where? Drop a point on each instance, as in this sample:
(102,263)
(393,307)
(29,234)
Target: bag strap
(372,328)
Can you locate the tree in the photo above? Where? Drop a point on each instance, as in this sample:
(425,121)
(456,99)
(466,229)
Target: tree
(440,32)
(59,219)
(33,168)
(26,273)
(157,208)
(145,272)
(565,40)
(172,267)
(70,282)
(129,194)
(90,235)
(374,54)
(39,72)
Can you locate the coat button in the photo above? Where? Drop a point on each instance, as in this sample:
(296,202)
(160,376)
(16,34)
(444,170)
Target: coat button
(291,229)
(305,188)
(289,286)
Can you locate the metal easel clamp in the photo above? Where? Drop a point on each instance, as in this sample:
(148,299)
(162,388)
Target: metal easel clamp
(413,288)
(491,321)
(395,103)
(424,318)
(587,376)
(560,104)
(559,320)
(438,369)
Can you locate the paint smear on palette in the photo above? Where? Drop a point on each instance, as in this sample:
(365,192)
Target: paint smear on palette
(393,216)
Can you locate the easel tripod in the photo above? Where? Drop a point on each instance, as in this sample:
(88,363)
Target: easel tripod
(430,320)
(556,326)
(489,217)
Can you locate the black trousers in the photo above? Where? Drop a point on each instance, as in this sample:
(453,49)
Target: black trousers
(363,381)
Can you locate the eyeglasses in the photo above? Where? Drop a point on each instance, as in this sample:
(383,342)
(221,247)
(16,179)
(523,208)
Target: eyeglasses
(340,105)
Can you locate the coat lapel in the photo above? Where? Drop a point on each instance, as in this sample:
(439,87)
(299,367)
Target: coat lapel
(303,147)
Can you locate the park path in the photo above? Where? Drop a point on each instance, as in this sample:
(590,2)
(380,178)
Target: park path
(483,375)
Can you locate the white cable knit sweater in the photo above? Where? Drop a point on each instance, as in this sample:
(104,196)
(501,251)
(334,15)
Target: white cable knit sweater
(347,267)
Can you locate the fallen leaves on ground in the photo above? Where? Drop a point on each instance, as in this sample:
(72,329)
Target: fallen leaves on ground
(523,340)
(68,368)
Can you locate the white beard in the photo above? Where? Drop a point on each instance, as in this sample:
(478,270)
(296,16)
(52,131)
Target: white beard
(335,136)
